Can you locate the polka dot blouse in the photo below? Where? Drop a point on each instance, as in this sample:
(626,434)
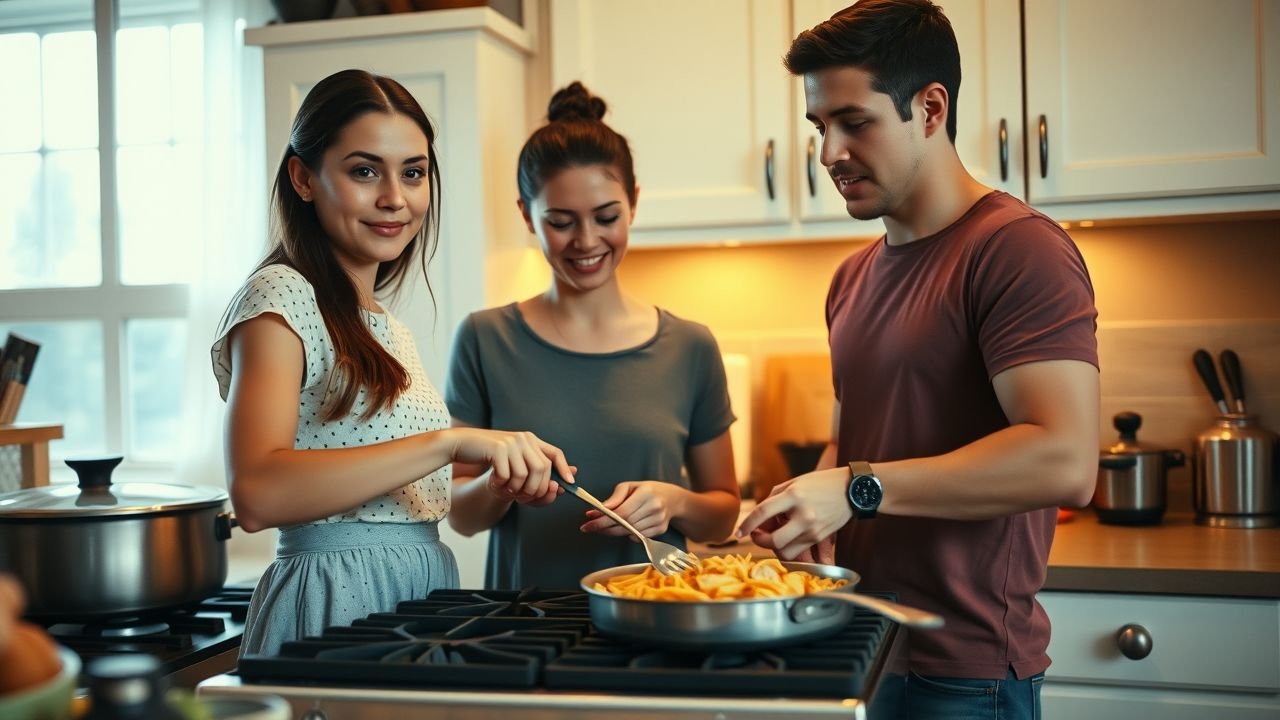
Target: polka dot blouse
(281,290)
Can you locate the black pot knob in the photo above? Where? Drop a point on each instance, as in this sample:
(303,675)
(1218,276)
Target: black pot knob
(94,473)
(1134,641)
(1127,423)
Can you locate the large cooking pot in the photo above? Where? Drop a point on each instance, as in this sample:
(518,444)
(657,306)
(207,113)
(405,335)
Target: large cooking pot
(739,624)
(100,549)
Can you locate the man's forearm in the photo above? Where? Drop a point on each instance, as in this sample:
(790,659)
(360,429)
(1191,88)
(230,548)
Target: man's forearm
(1020,468)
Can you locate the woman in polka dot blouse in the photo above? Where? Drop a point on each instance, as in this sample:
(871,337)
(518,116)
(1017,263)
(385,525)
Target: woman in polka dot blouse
(334,433)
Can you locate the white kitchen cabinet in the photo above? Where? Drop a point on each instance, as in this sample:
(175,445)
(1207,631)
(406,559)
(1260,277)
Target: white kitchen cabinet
(1151,108)
(467,70)
(700,93)
(1209,657)
(1151,99)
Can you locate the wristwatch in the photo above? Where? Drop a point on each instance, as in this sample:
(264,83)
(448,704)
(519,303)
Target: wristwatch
(865,491)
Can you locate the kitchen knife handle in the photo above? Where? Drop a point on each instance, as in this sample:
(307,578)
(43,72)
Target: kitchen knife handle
(1209,376)
(1235,379)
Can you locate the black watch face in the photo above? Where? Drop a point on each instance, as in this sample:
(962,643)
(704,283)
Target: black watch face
(865,492)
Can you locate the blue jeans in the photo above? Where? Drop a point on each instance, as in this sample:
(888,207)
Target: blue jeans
(916,697)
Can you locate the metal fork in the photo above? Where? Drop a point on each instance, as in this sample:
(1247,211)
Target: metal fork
(667,558)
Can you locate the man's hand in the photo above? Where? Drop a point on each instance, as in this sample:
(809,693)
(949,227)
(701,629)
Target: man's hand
(802,513)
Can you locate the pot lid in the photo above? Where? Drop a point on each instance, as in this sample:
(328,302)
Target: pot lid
(1128,423)
(97,496)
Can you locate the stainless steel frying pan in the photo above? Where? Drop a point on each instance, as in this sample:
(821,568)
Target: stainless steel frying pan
(739,624)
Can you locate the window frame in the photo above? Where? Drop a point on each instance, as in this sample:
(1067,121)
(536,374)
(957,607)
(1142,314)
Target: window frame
(112,302)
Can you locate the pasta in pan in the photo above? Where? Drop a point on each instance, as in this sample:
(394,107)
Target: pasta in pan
(721,577)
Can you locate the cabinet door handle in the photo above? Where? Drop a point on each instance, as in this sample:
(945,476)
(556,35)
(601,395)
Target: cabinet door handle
(768,168)
(812,167)
(1134,641)
(1004,151)
(1044,146)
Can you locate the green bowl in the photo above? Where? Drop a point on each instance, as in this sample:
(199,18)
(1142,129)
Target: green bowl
(50,700)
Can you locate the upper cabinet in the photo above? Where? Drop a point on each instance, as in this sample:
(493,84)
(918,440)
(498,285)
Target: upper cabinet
(1087,109)
(1152,99)
(697,89)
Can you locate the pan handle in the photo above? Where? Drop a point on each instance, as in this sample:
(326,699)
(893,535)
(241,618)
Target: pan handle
(909,616)
(222,525)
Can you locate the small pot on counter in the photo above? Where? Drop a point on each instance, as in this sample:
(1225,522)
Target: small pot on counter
(100,549)
(1132,486)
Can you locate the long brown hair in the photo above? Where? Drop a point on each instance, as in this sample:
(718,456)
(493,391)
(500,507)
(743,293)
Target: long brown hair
(301,242)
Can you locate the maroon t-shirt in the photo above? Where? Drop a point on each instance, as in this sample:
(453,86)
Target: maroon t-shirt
(917,331)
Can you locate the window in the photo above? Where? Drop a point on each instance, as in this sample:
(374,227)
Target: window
(102,176)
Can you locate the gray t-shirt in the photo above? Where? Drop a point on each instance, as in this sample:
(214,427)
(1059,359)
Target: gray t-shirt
(619,416)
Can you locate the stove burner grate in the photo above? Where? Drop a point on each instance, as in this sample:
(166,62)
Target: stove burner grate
(500,603)
(398,649)
(835,666)
(178,636)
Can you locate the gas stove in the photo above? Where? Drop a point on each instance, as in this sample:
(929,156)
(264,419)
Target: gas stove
(191,643)
(482,654)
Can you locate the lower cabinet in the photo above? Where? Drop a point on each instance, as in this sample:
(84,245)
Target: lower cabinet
(1128,656)
(1065,700)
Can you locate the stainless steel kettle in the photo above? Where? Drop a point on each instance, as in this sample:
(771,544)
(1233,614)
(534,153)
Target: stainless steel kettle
(1235,483)
(1132,484)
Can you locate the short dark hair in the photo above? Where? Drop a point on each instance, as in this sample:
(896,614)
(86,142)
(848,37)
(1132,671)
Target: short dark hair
(903,44)
(575,136)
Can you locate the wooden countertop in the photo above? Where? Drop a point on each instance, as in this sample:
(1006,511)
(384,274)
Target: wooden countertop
(1176,557)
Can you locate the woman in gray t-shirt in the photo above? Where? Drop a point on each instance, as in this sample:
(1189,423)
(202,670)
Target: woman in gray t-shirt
(633,394)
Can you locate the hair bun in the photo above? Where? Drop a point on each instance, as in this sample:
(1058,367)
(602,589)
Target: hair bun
(575,103)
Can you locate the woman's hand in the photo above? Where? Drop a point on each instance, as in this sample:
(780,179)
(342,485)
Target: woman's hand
(649,505)
(520,462)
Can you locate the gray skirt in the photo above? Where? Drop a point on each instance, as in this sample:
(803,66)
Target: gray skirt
(334,573)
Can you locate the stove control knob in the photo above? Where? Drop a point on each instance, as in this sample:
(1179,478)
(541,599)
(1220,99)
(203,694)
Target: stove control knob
(314,714)
(1134,641)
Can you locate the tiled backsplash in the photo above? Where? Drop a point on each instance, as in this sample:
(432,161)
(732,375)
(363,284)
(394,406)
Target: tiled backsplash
(1146,368)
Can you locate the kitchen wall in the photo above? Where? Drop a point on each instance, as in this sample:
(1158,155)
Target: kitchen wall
(1162,291)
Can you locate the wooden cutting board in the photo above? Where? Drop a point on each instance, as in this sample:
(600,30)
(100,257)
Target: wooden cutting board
(795,407)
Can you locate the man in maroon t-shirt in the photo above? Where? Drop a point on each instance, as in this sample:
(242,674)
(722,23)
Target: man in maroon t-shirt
(964,364)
